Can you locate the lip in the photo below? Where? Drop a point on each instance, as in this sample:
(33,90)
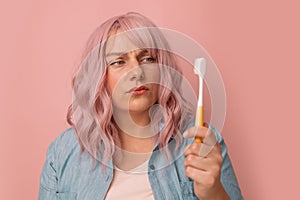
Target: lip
(139,90)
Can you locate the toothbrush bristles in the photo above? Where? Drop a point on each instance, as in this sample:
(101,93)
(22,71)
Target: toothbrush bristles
(200,67)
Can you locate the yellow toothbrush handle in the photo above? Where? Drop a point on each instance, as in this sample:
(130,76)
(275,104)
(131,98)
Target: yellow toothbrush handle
(199,120)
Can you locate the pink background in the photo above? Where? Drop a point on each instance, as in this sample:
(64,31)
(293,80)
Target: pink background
(255,44)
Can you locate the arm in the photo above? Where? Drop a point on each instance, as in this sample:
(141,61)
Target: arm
(48,178)
(228,178)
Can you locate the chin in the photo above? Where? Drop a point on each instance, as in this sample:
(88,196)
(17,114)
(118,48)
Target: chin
(139,109)
(138,104)
(141,106)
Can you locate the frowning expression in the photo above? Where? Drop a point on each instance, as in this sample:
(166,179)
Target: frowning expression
(132,75)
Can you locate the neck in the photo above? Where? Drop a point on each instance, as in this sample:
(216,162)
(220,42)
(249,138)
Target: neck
(133,143)
(135,124)
(133,151)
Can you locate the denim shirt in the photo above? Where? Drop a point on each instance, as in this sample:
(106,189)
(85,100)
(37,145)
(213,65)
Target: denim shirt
(67,174)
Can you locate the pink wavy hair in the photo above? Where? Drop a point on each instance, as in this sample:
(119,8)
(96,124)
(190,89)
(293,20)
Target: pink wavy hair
(90,113)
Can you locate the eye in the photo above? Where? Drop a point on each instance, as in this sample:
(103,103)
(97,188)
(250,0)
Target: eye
(117,63)
(148,59)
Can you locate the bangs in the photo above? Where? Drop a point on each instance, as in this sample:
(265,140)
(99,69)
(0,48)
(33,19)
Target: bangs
(142,33)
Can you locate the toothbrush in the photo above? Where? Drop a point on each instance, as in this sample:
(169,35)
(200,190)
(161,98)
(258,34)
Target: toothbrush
(200,69)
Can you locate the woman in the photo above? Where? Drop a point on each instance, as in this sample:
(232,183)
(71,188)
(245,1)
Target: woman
(127,119)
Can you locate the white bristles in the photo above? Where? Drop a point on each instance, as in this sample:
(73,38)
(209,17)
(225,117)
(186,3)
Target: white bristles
(200,67)
(200,70)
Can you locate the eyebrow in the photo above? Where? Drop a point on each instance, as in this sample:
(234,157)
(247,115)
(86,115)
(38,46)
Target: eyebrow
(115,54)
(143,51)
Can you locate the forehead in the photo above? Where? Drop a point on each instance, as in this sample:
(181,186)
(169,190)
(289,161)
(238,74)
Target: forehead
(118,43)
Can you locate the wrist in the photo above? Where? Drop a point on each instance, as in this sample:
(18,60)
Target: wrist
(218,194)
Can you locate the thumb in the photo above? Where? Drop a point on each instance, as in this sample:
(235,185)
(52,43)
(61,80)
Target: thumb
(195,131)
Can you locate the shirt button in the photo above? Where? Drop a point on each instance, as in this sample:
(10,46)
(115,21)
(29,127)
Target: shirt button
(152,167)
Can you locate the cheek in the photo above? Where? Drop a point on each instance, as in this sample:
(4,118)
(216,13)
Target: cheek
(111,81)
(155,91)
(152,74)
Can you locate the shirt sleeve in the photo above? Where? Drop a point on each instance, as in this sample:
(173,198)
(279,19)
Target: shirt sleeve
(48,177)
(228,178)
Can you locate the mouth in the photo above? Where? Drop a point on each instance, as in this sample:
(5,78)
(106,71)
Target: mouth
(138,90)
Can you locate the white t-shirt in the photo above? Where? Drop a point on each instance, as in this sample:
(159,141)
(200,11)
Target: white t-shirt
(133,184)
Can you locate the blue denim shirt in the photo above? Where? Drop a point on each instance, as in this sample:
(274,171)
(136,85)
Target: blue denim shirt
(68,175)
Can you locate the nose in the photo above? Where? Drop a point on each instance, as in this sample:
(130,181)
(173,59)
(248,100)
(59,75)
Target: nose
(137,72)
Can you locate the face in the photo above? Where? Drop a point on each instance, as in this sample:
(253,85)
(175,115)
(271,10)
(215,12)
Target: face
(132,75)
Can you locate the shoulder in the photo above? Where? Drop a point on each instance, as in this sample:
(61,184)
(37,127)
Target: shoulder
(67,138)
(64,144)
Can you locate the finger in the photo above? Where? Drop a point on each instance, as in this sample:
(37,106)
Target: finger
(217,148)
(209,151)
(201,132)
(214,157)
(204,164)
(195,162)
(196,174)
(198,149)
(210,138)
(210,166)
(205,150)
(193,148)
(196,131)
(216,153)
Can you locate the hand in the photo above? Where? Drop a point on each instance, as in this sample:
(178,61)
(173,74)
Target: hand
(205,170)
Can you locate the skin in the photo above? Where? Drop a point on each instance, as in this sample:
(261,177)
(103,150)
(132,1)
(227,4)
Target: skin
(205,171)
(131,67)
(124,72)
